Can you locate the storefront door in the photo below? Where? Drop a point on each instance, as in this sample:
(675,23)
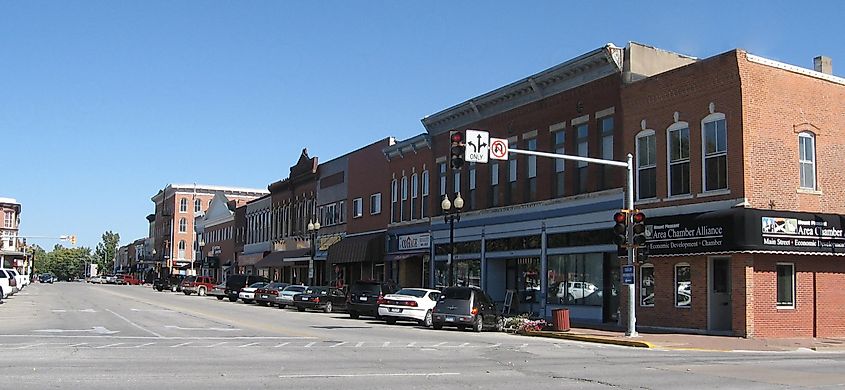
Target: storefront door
(719,317)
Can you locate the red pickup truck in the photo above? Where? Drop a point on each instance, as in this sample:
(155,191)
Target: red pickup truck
(199,285)
(128,279)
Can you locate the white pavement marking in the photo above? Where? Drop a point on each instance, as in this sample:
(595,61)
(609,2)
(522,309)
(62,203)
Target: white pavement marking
(247,345)
(386,344)
(154,310)
(80,311)
(28,346)
(438,344)
(97,329)
(77,345)
(309,345)
(281,345)
(143,345)
(411,345)
(463,345)
(359,344)
(181,345)
(109,345)
(496,345)
(368,375)
(338,344)
(215,329)
(134,324)
(216,345)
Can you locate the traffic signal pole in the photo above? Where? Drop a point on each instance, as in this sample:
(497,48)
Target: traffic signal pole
(629,205)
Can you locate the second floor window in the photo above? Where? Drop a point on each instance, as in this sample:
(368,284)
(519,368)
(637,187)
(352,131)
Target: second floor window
(714,135)
(494,184)
(606,127)
(183,205)
(8,219)
(532,171)
(678,141)
(183,225)
(197,205)
(424,200)
(807,159)
(415,186)
(182,246)
(357,207)
(559,137)
(442,168)
(581,134)
(375,204)
(646,165)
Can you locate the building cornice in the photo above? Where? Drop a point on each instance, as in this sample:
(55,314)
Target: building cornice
(408,146)
(794,69)
(578,71)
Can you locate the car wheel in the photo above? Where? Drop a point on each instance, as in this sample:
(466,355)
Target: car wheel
(282,306)
(426,322)
(354,315)
(390,320)
(437,326)
(262,303)
(186,292)
(201,292)
(328,308)
(300,309)
(219,298)
(478,324)
(159,289)
(233,299)
(462,327)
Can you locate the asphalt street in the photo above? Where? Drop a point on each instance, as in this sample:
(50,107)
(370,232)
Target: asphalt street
(83,336)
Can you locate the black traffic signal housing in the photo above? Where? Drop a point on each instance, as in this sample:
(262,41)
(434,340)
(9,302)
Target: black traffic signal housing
(456,151)
(638,229)
(620,228)
(642,254)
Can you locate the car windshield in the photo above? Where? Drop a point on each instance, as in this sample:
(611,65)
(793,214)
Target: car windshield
(412,292)
(372,288)
(457,293)
(316,290)
(190,279)
(276,285)
(258,284)
(297,289)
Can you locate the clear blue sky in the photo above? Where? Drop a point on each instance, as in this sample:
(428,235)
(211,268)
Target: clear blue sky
(102,103)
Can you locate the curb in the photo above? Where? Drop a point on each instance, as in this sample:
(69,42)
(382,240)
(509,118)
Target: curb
(592,339)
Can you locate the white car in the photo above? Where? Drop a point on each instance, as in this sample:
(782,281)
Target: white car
(8,284)
(285,296)
(409,304)
(97,279)
(247,294)
(18,277)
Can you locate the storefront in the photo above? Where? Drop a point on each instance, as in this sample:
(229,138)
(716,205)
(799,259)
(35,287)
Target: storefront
(541,256)
(356,258)
(290,266)
(409,253)
(744,272)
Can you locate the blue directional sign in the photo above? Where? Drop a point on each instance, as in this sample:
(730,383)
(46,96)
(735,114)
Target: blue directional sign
(627,274)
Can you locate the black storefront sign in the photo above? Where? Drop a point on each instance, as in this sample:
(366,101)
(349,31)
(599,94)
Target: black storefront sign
(742,230)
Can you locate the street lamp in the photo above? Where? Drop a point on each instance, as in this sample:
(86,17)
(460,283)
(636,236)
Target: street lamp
(452,215)
(200,257)
(313,227)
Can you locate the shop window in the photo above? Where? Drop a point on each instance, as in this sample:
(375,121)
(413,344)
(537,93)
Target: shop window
(576,279)
(646,165)
(678,140)
(786,285)
(467,273)
(580,238)
(715,144)
(513,243)
(807,159)
(683,285)
(647,285)
(460,248)
(523,275)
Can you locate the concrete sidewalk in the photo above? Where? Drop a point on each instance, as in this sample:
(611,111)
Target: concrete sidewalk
(681,341)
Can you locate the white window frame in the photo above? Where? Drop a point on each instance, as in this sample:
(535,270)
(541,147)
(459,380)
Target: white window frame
(9,219)
(443,173)
(357,208)
(677,126)
(197,205)
(807,135)
(712,118)
(642,287)
(425,184)
(375,199)
(494,174)
(794,283)
(531,144)
(415,188)
(183,205)
(644,134)
(404,187)
(183,225)
(181,249)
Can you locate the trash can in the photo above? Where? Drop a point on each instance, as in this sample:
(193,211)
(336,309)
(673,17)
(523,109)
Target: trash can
(560,320)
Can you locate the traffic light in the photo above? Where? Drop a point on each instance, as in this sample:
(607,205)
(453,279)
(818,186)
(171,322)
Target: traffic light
(456,161)
(73,240)
(620,229)
(638,228)
(642,254)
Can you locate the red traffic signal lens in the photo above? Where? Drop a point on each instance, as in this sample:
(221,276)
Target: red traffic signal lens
(639,218)
(457,137)
(620,217)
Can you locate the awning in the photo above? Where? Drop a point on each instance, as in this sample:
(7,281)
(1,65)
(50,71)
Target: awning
(276,259)
(396,256)
(358,249)
(250,259)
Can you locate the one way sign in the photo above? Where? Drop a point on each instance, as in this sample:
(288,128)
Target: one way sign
(477,146)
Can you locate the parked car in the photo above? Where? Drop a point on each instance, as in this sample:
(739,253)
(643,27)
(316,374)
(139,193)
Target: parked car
(323,298)
(466,306)
(7,284)
(167,283)
(111,279)
(199,285)
(286,295)
(364,297)
(18,277)
(218,291)
(234,284)
(247,294)
(267,295)
(96,279)
(128,280)
(47,278)
(409,304)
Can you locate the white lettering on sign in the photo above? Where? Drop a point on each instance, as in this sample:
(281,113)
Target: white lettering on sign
(414,241)
(498,149)
(477,146)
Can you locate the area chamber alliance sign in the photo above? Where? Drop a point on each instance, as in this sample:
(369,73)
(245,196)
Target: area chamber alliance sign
(816,233)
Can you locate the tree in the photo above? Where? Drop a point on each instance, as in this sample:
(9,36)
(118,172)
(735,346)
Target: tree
(64,262)
(105,253)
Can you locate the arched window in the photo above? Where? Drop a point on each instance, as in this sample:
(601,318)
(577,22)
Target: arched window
(181,249)
(807,159)
(197,205)
(647,285)
(646,165)
(183,225)
(714,153)
(677,137)
(183,205)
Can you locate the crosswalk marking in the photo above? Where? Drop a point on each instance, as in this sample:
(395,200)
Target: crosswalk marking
(281,345)
(247,345)
(181,345)
(338,344)
(109,345)
(309,345)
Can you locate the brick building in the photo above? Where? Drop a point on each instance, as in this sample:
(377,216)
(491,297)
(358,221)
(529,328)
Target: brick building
(12,247)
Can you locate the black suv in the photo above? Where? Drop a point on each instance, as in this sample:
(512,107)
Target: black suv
(365,296)
(165,283)
(466,306)
(234,284)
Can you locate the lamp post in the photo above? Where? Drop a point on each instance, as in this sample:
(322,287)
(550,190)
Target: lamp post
(452,215)
(201,256)
(313,227)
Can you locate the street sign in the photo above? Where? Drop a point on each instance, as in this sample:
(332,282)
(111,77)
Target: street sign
(498,149)
(627,274)
(477,145)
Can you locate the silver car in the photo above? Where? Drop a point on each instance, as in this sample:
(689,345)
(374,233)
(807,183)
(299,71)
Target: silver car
(285,296)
